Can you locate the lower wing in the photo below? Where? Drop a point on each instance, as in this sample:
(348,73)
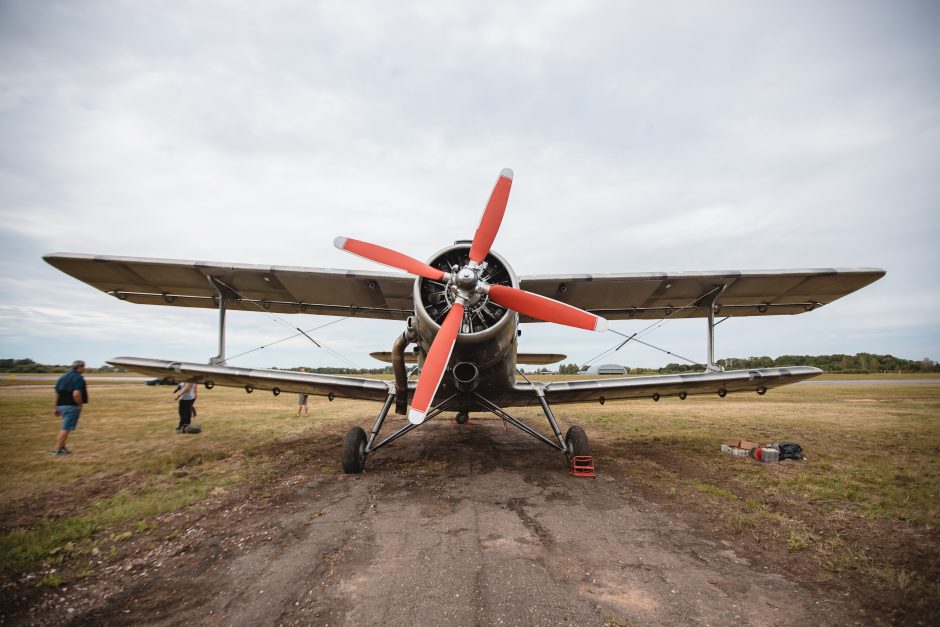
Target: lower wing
(520,395)
(656,386)
(332,386)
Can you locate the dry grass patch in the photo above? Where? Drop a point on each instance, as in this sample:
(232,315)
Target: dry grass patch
(128,465)
(865,505)
(863,510)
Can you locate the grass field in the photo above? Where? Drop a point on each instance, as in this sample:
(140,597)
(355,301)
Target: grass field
(864,505)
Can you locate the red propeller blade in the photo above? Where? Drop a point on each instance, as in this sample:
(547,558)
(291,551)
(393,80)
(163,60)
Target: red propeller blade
(544,308)
(435,363)
(492,217)
(388,257)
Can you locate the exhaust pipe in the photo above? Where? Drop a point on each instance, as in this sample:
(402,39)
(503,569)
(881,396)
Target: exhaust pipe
(398,367)
(466,376)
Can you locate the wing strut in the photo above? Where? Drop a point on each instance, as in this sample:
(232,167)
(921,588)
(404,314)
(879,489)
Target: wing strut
(224,293)
(712,304)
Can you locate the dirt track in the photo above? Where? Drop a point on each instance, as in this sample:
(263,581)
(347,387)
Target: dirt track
(462,525)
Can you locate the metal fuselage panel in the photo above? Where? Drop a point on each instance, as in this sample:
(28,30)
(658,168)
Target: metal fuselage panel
(488,334)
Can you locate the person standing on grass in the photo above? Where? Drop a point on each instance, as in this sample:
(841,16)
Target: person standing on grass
(70,396)
(186,395)
(302,401)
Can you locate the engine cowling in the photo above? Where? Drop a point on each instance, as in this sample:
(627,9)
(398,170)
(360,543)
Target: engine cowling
(487,330)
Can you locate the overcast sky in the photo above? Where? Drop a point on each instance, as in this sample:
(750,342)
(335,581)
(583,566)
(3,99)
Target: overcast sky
(644,137)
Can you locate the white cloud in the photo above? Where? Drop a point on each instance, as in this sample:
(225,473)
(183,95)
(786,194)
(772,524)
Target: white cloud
(644,138)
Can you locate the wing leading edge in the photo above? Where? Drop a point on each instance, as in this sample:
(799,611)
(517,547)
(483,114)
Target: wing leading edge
(388,295)
(521,395)
(616,388)
(280,289)
(284,380)
(657,295)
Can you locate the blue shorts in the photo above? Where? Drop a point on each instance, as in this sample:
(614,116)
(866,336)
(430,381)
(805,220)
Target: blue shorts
(70,415)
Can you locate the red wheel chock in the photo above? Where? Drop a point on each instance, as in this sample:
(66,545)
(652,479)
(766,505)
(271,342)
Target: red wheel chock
(582,466)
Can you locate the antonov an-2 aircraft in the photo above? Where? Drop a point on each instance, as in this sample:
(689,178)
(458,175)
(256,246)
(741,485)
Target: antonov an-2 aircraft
(462,313)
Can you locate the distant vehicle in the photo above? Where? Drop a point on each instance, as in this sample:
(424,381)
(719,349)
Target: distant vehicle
(159,382)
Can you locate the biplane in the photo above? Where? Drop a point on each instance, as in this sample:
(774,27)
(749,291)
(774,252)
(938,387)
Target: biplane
(461,313)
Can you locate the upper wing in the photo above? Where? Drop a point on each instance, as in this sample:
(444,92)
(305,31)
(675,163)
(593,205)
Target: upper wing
(281,289)
(284,380)
(613,388)
(387,295)
(686,294)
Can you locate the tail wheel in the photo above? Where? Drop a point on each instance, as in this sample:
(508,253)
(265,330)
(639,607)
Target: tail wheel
(577,442)
(354,451)
(462,418)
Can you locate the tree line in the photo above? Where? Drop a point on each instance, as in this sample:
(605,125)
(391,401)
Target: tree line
(860,363)
(337,370)
(30,366)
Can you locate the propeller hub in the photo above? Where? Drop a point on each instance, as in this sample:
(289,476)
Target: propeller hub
(466,279)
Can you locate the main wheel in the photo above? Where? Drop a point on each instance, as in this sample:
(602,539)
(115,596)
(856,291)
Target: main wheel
(462,418)
(577,442)
(354,451)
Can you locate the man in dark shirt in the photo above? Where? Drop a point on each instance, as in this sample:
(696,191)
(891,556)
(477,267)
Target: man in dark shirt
(70,395)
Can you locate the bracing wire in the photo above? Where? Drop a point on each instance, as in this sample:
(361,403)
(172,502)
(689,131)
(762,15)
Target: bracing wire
(300,331)
(289,337)
(649,329)
(651,346)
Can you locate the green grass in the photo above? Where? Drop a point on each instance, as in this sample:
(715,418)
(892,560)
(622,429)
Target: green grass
(870,486)
(873,458)
(872,449)
(713,490)
(53,539)
(126,449)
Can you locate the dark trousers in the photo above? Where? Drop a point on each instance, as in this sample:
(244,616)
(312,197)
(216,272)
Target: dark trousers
(186,412)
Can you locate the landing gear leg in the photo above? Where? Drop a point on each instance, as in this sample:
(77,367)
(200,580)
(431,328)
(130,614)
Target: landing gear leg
(574,444)
(357,446)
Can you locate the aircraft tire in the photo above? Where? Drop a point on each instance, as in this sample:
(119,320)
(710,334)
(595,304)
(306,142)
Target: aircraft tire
(462,418)
(577,442)
(354,451)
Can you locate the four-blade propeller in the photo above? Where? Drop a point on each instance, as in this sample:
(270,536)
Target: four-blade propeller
(468,282)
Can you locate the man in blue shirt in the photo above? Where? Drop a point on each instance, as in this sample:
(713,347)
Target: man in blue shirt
(70,396)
